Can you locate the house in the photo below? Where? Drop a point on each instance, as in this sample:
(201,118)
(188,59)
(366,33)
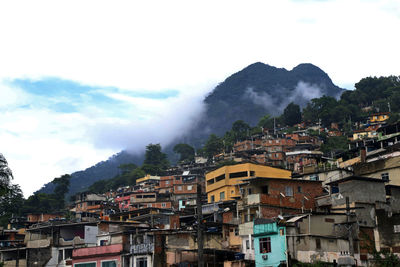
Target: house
(51,244)
(324,172)
(112,246)
(298,159)
(90,205)
(385,166)
(42,217)
(222,184)
(365,196)
(246,234)
(270,197)
(12,247)
(317,237)
(269,243)
(142,248)
(378,117)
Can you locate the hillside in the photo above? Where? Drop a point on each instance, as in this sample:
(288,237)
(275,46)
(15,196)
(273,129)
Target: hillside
(247,95)
(107,169)
(261,89)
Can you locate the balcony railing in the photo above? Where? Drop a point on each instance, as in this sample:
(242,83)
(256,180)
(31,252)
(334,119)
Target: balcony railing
(142,248)
(39,243)
(96,251)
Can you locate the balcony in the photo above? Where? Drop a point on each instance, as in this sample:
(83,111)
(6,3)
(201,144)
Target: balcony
(325,200)
(74,242)
(246,228)
(268,228)
(142,248)
(39,243)
(97,251)
(253,199)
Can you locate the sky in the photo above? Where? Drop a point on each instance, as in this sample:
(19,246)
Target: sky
(82,80)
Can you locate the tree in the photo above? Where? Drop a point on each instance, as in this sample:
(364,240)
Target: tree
(213,146)
(240,130)
(126,168)
(266,122)
(185,151)
(155,162)
(10,204)
(292,114)
(11,198)
(62,187)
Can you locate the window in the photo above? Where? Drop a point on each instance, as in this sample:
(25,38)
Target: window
(396,228)
(163,205)
(247,244)
(177,178)
(179,188)
(212,198)
(68,254)
(249,191)
(299,189)
(189,187)
(385,176)
(92,264)
(318,243)
(222,195)
(141,262)
(108,264)
(264,189)
(288,191)
(334,189)
(238,174)
(314,177)
(220,178)
(281,231)
(167,182)
(265,245)
(236,231)
(252,173)
(210,182)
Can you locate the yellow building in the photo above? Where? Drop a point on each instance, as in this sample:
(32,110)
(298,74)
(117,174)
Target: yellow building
(379,117)
(222,184)
(147,178)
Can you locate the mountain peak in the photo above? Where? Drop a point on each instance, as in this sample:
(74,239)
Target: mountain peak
(307,69)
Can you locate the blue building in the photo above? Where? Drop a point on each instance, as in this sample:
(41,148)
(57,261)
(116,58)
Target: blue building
(269,243)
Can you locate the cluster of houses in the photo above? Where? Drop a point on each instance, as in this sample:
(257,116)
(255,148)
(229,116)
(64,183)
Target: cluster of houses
(283,202)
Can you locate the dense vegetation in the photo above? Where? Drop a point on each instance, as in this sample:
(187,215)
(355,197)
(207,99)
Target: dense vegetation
(232,115)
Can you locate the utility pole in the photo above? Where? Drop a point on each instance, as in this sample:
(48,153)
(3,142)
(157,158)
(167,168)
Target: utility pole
(200,243)
(349,227)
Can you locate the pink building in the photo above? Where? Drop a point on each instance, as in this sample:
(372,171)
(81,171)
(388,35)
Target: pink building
(99,256)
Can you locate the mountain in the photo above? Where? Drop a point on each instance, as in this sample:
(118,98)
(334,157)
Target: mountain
(260,89)
(249,94)
(107,169)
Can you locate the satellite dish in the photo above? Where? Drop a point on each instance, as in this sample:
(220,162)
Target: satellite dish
(306,198)
(280,217)
(282,194)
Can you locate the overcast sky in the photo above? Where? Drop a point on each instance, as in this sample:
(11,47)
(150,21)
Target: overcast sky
(81,80)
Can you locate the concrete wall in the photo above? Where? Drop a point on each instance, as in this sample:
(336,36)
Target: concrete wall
(376,168)
(361,191)
(304,248)
(389,238)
